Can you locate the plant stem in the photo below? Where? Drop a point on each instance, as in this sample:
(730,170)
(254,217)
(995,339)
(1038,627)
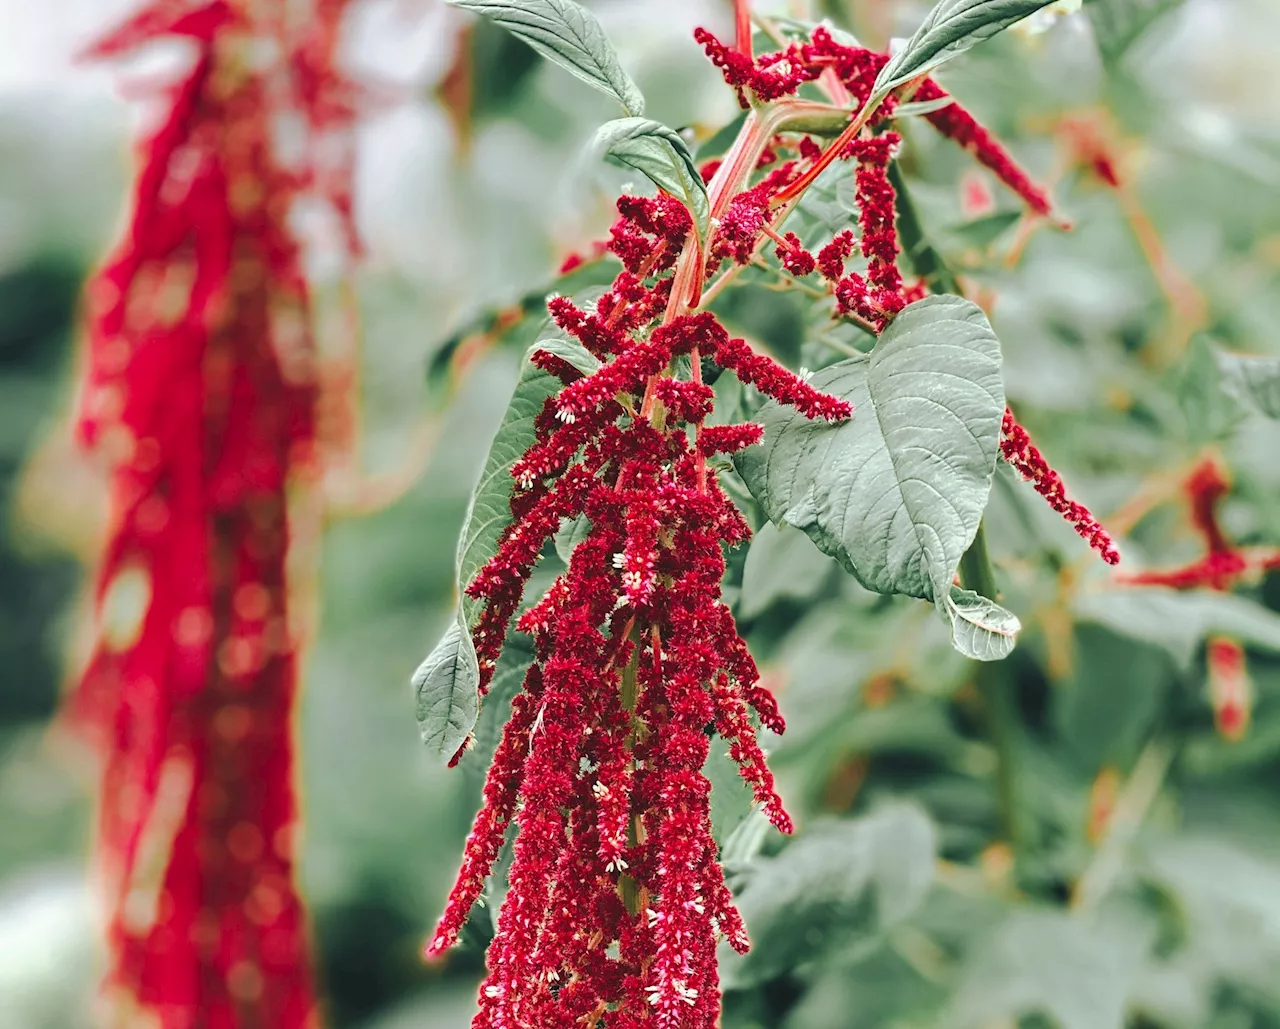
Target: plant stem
(996,689)
(629,695)
(1135,800)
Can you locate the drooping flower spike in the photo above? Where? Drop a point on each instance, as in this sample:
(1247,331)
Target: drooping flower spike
(200,394)
(616,899)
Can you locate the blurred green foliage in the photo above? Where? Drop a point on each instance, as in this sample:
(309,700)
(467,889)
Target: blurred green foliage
(945,872)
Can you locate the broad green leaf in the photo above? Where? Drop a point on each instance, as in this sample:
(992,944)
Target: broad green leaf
(1179,621)
(566,34)
(447,684)
(658,152)
(841,884)
(951,28)
(490,508)
(894,494)
(1254,382)
(1118,24)
(1116,694)
(980,628)
(781,563)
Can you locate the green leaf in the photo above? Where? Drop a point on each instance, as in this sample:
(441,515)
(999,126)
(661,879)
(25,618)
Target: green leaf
(951,28)
(1209,412)
(658,152)
(566,34)
(894,494)
(572,532)
(508,676)
(980,628)
(781,563)
(490,508)
(1118,24)
(1049,963)
(983,231)
(1254,382)
(447,682)
(1180,620)
(842,884)
(447,685)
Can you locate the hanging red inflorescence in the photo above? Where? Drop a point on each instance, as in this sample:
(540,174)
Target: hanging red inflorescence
(616,899)
(1025,458)
(200,393)
(1223,567)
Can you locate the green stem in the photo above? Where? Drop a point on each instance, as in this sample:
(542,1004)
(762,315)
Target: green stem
(629,695)
(993,681)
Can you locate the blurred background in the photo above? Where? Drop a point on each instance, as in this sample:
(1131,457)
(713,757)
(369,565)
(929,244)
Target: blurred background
(468,203)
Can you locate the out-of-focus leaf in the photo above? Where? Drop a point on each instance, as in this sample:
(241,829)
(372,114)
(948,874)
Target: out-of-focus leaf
(658,152)
(1044,962)
(1179,621)
(1117,24)
(781,563)
(983,231)
(842,882)
(1209,411)
(1252,381)
(1108,707)
(446,684)
(951,28)
(895,494)
(566,34)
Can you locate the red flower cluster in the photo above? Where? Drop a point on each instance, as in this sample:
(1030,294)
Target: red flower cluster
(200,392)
(772,76)
(1025,458)
(616,898)
(1224,565)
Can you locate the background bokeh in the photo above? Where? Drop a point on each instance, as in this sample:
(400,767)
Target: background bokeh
(946,926)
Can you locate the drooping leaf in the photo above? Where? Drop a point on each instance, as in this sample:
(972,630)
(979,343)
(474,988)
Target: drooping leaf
(894,494)
(1254,382)
(1179,621)
(658,152)
(951,28)
(1118,24)
(490,508)
(568,35)
(842,883)
(448,680)
(980,628)
(447,684)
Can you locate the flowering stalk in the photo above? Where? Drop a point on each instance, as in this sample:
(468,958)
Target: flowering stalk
(616,899)
(200,393)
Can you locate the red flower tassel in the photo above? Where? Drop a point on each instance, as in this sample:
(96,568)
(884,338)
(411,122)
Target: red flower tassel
(200,393)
